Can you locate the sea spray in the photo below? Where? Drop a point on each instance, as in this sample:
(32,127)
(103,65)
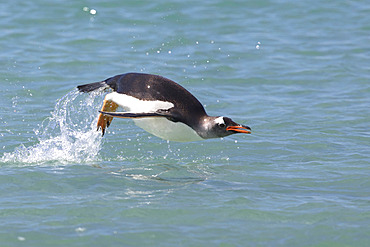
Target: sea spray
(69,135)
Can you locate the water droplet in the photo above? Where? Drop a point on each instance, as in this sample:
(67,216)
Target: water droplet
(20,238)
(258,46)
(80,229)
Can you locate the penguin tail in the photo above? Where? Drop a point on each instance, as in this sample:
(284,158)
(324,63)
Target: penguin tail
(93,86)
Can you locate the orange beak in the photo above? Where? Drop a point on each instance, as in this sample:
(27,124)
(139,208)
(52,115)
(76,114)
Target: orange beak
(239,129)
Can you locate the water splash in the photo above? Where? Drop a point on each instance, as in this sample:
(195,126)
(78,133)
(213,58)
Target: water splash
(69,135)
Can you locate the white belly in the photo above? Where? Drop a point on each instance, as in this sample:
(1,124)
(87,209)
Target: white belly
(168,130)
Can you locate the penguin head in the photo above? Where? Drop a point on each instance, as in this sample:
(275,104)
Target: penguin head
(214,127)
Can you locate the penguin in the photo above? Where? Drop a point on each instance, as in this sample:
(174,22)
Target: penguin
(161,107)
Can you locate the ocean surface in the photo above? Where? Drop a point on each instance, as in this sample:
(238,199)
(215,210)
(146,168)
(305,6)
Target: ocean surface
(296,72)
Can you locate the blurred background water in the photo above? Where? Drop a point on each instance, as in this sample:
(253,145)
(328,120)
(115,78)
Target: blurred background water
(296,72)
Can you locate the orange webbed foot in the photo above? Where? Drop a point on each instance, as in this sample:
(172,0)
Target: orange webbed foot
(103,120)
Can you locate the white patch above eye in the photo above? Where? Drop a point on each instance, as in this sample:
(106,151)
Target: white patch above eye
(219,120)
(136,105)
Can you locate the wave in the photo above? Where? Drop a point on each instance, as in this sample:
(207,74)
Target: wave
(68,135)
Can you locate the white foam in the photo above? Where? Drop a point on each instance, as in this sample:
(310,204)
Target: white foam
(69,135)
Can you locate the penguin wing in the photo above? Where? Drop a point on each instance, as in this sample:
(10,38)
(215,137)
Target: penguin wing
(165,114)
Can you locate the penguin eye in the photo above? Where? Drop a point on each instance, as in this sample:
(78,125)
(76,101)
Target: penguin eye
(222,125)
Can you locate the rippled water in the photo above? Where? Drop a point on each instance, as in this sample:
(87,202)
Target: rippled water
(296,72)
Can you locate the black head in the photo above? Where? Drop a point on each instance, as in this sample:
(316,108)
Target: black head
(222,126)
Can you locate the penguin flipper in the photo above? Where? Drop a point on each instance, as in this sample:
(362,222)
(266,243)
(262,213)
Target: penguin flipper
(132,114)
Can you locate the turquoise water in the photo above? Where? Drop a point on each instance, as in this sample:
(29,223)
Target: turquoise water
(296,72)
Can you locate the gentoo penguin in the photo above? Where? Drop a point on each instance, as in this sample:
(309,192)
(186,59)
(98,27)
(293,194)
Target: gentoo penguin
(161,107)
